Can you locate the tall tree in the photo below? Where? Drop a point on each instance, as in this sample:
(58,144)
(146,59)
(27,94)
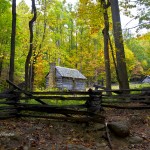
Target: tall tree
(13,35)
(5,26)
(37,53)
(105,5)
(120,54)
(28,59)
(22,39)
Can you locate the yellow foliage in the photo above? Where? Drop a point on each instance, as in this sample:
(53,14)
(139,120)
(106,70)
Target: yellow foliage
(130,59)
(144,63)
(39,70)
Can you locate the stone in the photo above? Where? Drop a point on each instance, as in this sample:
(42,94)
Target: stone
(101,144)
(135,140)
(96,127)
(77,147)
(120,129)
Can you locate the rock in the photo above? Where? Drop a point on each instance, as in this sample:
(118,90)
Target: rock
(77,147)
(120,129)
(96,127)
(100,145)
(135,140)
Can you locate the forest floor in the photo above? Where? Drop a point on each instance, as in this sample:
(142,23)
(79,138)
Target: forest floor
(44,134)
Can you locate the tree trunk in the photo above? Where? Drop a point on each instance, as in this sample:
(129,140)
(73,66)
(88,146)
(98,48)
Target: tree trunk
(13,35)
(36,54)
(106,48)
(28,62)
(76,45)
(1,64)
(120,54)
(114,59)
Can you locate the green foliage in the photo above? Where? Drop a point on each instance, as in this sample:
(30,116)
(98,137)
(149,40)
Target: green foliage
(140,47)
(138,9)
(5,32)
(69,35)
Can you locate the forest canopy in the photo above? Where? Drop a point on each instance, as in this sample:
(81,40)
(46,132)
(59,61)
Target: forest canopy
(71,36)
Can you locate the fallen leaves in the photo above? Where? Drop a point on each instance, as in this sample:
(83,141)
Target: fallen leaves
(30,134)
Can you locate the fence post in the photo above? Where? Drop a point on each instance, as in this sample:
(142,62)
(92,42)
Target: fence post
(94,102)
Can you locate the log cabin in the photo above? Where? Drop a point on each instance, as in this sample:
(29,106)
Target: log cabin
(146,79)
(65,79)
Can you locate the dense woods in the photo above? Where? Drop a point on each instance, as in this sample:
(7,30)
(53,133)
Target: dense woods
(71,36)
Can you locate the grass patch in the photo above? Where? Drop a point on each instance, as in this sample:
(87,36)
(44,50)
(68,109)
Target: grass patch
(56,102)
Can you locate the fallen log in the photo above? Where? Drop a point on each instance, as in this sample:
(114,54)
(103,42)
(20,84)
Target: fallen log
(26,92)
(127,107)
(10,90)
(7,107)
(108,136)
(54,110)
(8,113)
(76,119)
(2,96)
(7,117)
(124,101)
(8,102)
(74,93)
(55,98)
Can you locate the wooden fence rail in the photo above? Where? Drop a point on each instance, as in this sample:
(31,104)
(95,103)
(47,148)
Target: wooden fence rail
(16,102)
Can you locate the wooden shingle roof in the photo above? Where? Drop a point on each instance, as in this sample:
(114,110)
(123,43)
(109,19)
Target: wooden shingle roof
(146,79)
(71,73)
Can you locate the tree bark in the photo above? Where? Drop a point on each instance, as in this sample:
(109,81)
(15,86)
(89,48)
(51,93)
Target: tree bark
(1,64)
(120,54)
(114,60)
(13,35)
(106,48)
(36,54)
(28,59)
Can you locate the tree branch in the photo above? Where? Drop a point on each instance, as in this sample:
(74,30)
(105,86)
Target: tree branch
(138,25)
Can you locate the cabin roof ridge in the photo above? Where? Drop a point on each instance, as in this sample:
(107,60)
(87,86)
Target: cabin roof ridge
(69,72)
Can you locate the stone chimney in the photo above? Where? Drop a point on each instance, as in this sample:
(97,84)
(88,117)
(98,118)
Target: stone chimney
(52,75)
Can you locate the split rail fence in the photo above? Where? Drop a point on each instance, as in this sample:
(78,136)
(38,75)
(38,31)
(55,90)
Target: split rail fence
(17,102)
